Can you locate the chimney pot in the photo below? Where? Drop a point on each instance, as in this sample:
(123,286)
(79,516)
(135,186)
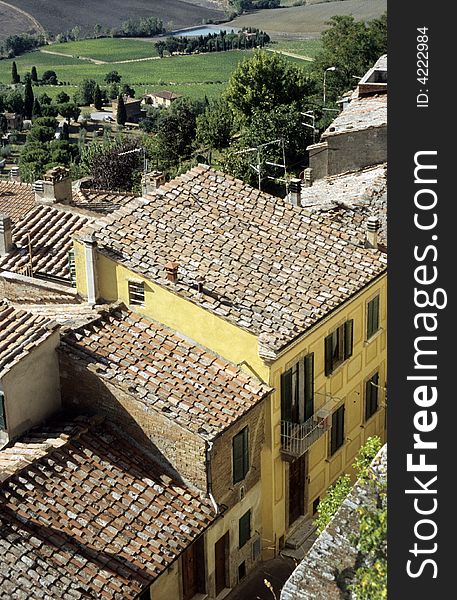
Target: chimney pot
(151,181)
(54,187)
(171,269)
(6,235)
(295,192)
(372,227)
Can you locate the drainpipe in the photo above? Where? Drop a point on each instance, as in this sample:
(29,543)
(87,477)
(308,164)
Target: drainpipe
(90,255)
(209,449)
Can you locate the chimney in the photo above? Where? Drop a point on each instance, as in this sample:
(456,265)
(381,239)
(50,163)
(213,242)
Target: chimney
(90,255)
(15,175)
(372,227)
(200,283)
(307,178)
(151,181)
(295,192)
(55,187)
(6,236)
(172,271)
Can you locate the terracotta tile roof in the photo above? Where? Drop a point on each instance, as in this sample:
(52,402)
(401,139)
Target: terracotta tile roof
(361,113)
(51,232)
(100,201)
(16,199)
(67,315)
(190,384)
(269,267)
(20,332)
(85,513)
(166,95)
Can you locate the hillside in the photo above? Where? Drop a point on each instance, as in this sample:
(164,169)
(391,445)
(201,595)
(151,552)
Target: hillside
(57,16)
(310,20)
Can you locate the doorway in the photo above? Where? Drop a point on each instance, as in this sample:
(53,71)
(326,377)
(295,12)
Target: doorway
(193,570)
(221,551)
(297,485)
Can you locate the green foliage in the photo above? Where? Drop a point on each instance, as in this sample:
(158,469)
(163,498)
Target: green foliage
(14,74)
(121,114)
(49,77)
(62,98)
(366,455)
(69,110)
(3,124)
(86,90)
(34,74)
(352,47)
(36,110)
(98,100)
(265,81)
(215,126)
(338,492)
(15,102)
(112,164)
(28,99)
(113,77)
(332,501)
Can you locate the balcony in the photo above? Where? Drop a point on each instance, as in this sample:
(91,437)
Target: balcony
(297,438)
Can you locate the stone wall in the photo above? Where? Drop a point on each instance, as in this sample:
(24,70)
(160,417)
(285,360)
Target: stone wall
(83,389)
(224,490)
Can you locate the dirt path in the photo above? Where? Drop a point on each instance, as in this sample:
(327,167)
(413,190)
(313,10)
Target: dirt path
(299,56)
(101,62)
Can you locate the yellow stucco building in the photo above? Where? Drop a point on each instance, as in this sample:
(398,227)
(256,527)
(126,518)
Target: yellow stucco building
(297,299)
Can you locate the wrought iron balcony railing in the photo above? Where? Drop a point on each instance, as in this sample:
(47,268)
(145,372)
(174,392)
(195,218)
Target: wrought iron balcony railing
(297,438)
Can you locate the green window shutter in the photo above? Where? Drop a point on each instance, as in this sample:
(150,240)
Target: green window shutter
(240,455)
(286,396)
(376,314)
(348,338)
(2,412)
(245,433)
(373,317)
(309,386)
(329,354)
(371,396)
(244,526)
(337,434)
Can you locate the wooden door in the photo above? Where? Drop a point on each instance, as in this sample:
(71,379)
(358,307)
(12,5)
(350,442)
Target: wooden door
(193,570)
(220,552)
(297,483)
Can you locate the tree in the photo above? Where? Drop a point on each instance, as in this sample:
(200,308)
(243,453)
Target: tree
(34,75)
(352,47)
(264,81)
(97,30)
(62,98)
(98,101)
(121,114)
(15,102)
(69,110)
(113,165)
(128,91)
(36,110)
(3,124)
(85,94)
(28,99)
(214,126)
(65,135)
(14,74)
(160,47)
(113,77)
(49,77)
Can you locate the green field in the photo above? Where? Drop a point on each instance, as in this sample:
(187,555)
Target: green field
(106,49)
(195,76)
(306,48)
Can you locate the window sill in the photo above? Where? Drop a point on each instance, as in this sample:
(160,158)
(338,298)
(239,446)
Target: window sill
(370,418)
(373,337)
(225,592)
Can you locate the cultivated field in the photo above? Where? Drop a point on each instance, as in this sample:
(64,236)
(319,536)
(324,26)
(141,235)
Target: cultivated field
(105,49)
(308,21)
(305,48)
(14,21)
(57,16)
(195,76)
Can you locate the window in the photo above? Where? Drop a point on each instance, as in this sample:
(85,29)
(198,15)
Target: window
(242,571)
(297,391)
(372,317)
(240,455)
(338,346)
(2,412)
(244,526)
(337,431)
(136,293)
(371,396)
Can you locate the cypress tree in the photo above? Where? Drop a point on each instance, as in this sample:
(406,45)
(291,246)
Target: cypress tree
(14,74)
(34,74)
(98,102)
(65,135)
(28,99)
(121,116)
(36,110)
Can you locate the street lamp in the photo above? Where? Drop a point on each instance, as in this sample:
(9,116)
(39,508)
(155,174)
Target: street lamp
(325,74)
